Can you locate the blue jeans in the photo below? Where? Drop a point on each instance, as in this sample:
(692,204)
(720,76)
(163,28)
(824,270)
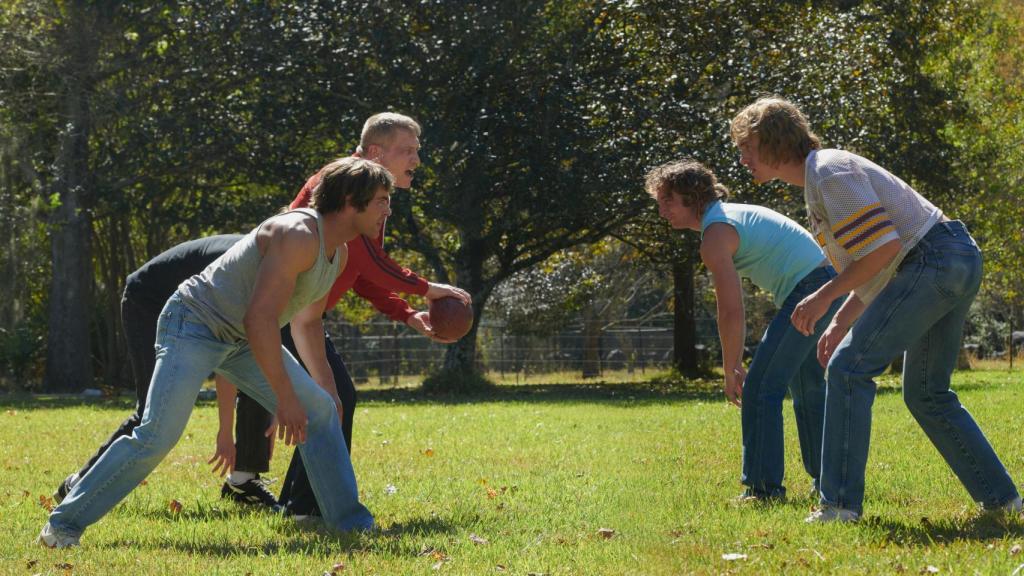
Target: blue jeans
(785,358)
(921,312)
(186,353)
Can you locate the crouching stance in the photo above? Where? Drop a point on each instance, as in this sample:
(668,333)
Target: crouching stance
(782,258)
(227,320)
(910,273)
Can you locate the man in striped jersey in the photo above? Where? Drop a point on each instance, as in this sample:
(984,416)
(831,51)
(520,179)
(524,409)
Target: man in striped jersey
(911,274)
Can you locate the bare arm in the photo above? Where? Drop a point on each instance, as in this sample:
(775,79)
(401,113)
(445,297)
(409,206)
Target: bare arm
(811,309)
(307,329)
(719,244)
(223,459)
(288,250)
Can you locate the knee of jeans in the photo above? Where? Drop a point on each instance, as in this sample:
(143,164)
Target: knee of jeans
(152,444)
(321,410)
(923,402)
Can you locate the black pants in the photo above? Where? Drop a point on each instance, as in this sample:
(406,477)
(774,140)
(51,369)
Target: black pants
(296,493)
(139,320)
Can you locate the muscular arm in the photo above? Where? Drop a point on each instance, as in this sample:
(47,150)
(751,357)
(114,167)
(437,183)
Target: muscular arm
(717,248)
(288,248)
(308,333)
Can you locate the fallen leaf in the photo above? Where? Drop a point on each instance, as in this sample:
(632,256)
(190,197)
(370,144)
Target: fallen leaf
(12,412)
(31,564)
(536,574)
(1015,550)
(26,493)
(500,568)
(144,483)
(66,566)
(492,493)
(482,481)
(46,502)
(477,540)
(174,506)
(606,533)
(733,556)
(428,452)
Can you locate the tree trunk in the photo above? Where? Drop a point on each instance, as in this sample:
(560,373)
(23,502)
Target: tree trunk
(69,346)
(684,334)
(591,343)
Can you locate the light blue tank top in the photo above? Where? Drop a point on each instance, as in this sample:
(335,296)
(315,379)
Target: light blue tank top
(774,252)
(220,294)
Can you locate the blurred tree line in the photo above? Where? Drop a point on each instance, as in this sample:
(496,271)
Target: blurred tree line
(126,128)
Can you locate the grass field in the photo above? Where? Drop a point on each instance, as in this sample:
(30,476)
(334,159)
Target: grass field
(523,481)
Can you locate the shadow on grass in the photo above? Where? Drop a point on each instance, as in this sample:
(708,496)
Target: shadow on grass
(302,537)
(632,394)
(657,391)
(927,533)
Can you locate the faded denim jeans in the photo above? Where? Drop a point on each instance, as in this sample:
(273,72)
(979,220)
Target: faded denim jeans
(187,352)
(785,359)
(921,312)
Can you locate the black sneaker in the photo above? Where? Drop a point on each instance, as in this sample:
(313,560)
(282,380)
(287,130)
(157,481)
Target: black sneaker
(62,491)
(249,492)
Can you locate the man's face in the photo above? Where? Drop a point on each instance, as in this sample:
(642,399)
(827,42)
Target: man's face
(369,221)
(671,208)
(400,156)
(750,157)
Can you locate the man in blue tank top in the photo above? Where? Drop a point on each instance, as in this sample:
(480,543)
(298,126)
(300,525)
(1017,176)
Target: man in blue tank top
(782,258)
(227,320)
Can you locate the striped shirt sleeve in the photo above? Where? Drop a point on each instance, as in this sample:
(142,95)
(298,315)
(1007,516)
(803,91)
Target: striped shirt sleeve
(859,222)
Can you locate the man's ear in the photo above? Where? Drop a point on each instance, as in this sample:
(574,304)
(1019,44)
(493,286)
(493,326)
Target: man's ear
(372,152)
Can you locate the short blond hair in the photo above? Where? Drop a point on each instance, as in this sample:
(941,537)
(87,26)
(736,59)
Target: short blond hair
(695,184)
(380,128)
(783,133)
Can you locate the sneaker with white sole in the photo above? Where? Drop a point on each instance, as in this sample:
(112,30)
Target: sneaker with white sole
(1014,507)
(252,491)
(52,539)
(828,514)
(65,487)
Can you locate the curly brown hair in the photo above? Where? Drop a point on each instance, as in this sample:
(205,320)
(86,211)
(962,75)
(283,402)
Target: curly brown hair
(694,182)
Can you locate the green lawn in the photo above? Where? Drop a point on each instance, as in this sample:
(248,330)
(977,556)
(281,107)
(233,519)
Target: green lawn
(521,482)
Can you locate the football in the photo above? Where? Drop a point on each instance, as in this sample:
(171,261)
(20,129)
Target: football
(450,318)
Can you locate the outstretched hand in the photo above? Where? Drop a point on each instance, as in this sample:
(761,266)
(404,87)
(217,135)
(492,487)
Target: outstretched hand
(436,291)
(420,322)
(224,457)
(291,420)
(734,385)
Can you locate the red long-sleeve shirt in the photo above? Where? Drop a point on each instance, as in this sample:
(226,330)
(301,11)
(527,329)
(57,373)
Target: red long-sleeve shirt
(369,271)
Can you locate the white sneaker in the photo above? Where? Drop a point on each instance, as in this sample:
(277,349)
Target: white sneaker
(1014,507)
(827,514)
(52,539)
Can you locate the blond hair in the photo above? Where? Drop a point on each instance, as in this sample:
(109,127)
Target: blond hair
(380,128)
(692,181)
(783,133)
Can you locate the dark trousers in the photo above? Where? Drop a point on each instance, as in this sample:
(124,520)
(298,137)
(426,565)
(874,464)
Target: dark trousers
(139,321)
(296,493)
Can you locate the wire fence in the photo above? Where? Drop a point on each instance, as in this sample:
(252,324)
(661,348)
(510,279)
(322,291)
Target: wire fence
(387,352)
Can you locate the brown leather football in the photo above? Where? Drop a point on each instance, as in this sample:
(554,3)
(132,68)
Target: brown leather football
(450,318)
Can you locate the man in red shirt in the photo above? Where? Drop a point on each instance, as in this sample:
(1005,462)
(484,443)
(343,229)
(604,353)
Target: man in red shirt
(391,140)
